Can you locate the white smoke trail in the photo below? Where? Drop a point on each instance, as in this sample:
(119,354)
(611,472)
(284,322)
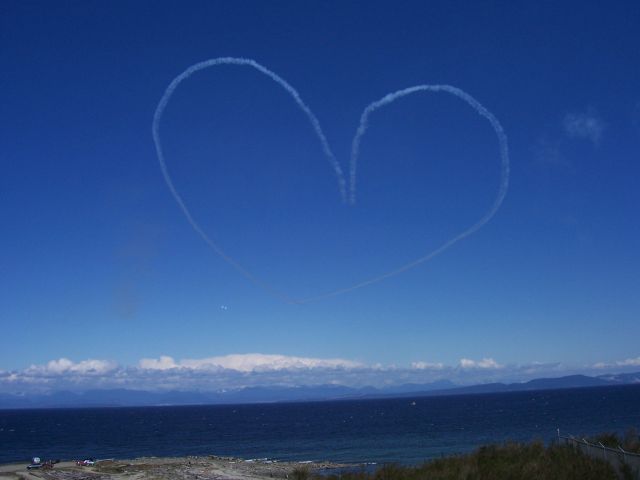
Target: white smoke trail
(157,117)
(355,152)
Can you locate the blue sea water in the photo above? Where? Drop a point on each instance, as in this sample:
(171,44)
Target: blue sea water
(389,430)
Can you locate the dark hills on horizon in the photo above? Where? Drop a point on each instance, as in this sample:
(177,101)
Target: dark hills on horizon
(264,394)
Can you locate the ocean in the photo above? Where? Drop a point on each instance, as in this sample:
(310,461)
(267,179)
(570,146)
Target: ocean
(405,430)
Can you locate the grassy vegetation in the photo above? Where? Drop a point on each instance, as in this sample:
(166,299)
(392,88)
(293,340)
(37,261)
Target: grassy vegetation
(495,462)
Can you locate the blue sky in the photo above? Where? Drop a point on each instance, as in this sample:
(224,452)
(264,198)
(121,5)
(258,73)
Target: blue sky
(98,263)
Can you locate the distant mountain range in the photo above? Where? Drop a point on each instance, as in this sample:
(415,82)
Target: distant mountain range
(123,397)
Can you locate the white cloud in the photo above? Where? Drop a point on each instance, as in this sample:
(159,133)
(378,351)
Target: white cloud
(162,363)
(485,363)
(629,362)
(250,362)
(232,372)
(584,125)
(427,366)
(64,365)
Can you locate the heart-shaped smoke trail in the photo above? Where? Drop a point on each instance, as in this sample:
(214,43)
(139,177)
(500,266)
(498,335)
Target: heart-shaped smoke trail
(355,152)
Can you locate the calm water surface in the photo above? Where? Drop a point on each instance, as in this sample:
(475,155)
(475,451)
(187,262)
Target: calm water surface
(352,431)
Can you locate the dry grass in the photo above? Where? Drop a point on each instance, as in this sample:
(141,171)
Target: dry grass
(510,461)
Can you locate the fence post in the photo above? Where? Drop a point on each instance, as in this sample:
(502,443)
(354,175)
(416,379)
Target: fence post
(619,455)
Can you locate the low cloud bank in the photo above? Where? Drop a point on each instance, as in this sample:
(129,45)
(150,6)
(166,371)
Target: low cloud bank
(233,372)
(485,363)
(251,362)
(629,362)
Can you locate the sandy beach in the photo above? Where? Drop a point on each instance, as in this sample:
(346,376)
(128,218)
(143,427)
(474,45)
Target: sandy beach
(203,468)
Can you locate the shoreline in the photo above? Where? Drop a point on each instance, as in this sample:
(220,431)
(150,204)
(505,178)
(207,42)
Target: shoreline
(209,467)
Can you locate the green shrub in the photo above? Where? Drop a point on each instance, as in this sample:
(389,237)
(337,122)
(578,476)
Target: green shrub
(631,441)
(300,474)
(511,461)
